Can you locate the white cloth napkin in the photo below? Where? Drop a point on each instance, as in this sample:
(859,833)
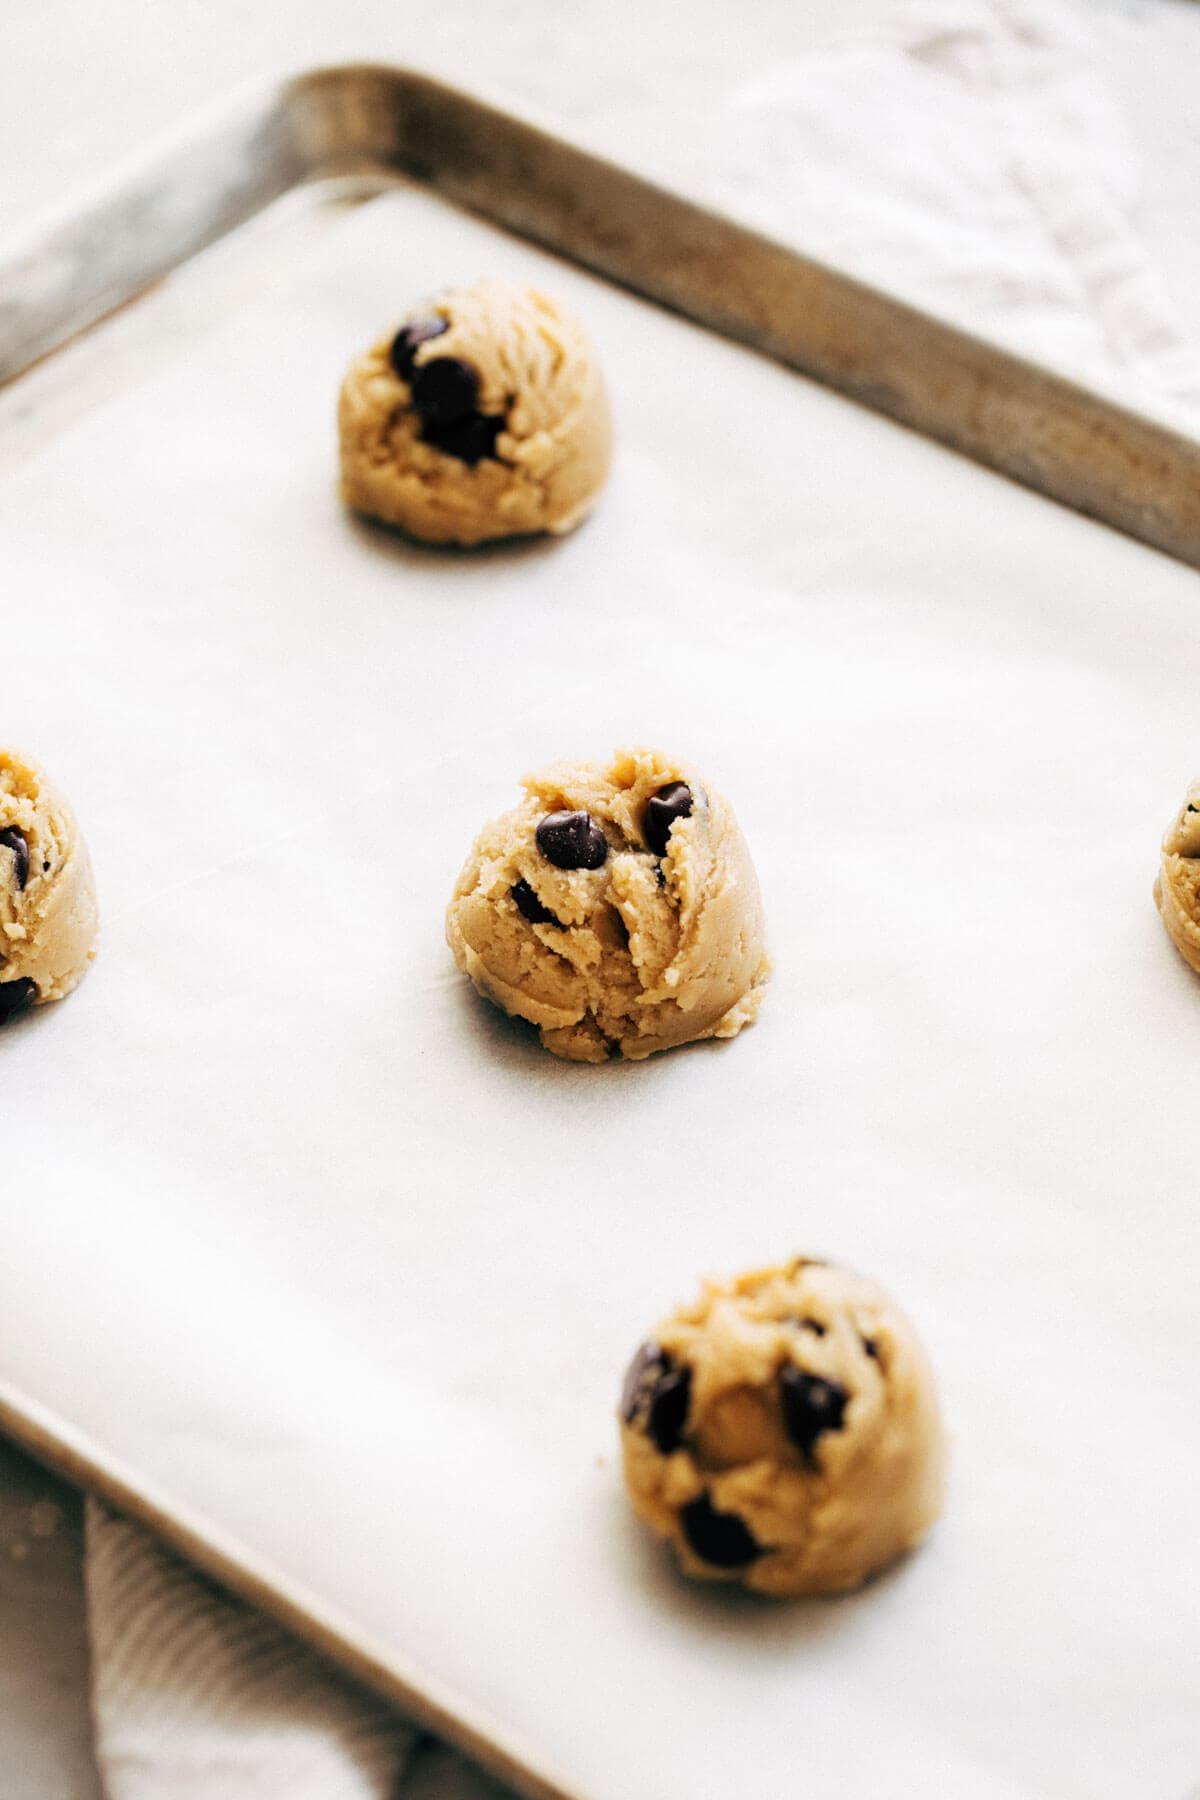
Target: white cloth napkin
(966,155)
(197,1697)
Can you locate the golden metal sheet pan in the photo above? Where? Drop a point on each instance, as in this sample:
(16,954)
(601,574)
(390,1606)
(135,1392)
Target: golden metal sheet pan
(364,121)
(371,125)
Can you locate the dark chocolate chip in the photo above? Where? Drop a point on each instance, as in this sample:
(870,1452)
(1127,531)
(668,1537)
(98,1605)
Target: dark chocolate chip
(530,907)
(669,1409)
(470,439)
(813,1325)
(640,1377)
(12,838)
(444,390)
(811,1405)
(662,810)
(721,1539)
(15,996)
(871,1347)
(1192,808)
(572,840)
(409,337)
(655,1397)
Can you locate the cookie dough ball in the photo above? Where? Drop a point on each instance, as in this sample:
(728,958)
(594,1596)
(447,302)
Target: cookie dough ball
(1177,890)
(784,1431)
(485,416)
(47,896)
(616,908)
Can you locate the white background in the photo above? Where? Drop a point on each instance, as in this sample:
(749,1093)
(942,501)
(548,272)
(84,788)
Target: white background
(80,86)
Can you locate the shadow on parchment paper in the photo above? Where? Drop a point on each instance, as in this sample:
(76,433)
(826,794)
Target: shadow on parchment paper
(413,553)
(514,1045)
(34,1018)
(761,1627)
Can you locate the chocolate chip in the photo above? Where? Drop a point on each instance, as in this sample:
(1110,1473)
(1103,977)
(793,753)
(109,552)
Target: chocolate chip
(813,1325)
(15,996)
(662,810)
(572,840)
(444,390)
(640,1377)
(872,1349)
(655,1396)
(811,1405)
(408,339)
(669,1409)
(1192,808)
(721,1539)
(12,838)
(530,907)
(470,439)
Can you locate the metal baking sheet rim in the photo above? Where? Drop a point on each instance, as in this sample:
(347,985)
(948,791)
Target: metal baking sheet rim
(70,1454)
(1070,444)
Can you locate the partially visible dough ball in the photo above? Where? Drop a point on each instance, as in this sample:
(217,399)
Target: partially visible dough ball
(48,918)
(616,908)
(484,416)
(1177,889)
(784,1431)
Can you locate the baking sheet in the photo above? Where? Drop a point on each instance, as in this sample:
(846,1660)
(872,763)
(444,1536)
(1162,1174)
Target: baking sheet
(341,1266)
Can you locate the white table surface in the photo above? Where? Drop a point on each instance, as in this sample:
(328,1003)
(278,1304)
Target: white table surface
(81,87)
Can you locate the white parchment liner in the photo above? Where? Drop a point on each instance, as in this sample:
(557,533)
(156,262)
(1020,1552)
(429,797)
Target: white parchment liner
(300,1231)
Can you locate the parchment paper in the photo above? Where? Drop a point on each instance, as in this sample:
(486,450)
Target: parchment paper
(341,1262)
